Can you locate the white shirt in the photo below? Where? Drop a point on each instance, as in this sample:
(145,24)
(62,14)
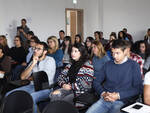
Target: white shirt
(147,78)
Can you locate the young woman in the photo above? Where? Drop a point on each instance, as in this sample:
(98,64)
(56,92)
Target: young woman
(3,42)
(88,44)
(54,51)
(78,39)
(66,47)
(122,35)
(5,62)
(99,56)
(76,78)
(142,50)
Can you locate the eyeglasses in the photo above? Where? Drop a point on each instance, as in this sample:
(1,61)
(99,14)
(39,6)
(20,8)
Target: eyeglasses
(38,49)
(16,40)
(32,41)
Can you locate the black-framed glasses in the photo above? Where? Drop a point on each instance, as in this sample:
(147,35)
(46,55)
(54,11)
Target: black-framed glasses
(38,49)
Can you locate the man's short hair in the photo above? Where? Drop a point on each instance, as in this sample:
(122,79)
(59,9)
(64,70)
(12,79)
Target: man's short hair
(148,29)
(35,38)
(45,46)
(62,31)
(31,33)
(24,20)
(119,44)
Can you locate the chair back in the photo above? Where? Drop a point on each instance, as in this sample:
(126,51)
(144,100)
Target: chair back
(18,102)
(40,80)
(60,107)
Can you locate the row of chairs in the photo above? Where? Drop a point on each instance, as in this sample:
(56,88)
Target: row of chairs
(21,102)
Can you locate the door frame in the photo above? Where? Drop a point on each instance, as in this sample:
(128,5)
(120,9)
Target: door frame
(73,9)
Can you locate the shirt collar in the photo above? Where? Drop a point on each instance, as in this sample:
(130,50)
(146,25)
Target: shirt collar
(124,60)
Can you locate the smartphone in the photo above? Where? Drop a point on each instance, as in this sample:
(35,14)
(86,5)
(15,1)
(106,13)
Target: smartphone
(137,106)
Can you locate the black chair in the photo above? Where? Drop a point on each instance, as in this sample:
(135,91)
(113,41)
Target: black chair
(40,80)
(60,107)
(17,102)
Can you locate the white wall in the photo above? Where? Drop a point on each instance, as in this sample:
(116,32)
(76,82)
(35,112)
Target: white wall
(44,17)
(132,14)
(47,17)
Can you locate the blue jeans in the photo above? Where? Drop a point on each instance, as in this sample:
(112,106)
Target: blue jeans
(102,106)
(36,96)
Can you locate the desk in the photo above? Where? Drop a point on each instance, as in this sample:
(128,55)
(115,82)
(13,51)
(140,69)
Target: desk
(143,109)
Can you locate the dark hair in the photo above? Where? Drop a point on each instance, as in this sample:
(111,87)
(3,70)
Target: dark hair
(119,44)
(83,51)
(124,35)
(1,47)
(62,31)
(78,35)
(91,39)
(31,33)
(17,36)
(138,48)
(67,38)
(35,38)
(125,29)
(148,29)
(45,46)
(113,34)
(24,20)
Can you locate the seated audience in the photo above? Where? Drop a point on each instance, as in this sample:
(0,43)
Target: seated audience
(40,62)
(128,35)
(3,42)
(146,66)
(78,39)
(18,53)
(142,50)
(33,42)
(111,38)
(122,36)
(135,57)
(5,62)
(117,82)
(27,43)
(147,88)
(99,36)
(61,39)
(54,51)
(19,68)
(147,36)
(76,78)
(66,48)
(88,44)
(99,57)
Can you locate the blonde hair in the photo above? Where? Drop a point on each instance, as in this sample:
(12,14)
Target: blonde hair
(55,40)
(101,51)
(4,40)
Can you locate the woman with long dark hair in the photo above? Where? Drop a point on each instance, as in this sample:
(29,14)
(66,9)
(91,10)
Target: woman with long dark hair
(76,78)
(66,47)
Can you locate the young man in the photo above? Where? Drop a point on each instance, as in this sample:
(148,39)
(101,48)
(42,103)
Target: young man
(117,82)
(23,30)
(61,39)
(40,62)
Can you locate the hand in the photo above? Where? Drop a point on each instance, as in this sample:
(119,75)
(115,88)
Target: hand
(35,59)
(24,64)
(56,92)
(111,97)
(2,72)
(21,30)
(67,86)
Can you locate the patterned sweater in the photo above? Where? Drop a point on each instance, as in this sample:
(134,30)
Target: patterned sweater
(84,78)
